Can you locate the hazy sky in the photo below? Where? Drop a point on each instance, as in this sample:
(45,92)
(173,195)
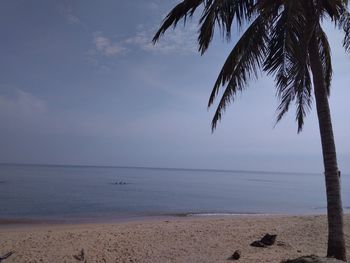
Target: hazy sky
(80,83)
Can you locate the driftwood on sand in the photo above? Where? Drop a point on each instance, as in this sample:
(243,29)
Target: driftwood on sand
(7,255)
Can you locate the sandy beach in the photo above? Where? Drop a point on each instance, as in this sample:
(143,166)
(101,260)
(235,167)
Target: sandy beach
(192,239)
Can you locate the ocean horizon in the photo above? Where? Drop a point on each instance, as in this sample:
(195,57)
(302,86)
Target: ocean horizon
(75,192)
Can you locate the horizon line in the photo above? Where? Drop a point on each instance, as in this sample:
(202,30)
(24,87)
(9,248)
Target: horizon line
(155,168)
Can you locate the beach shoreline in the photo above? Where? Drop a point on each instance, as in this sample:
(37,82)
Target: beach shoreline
(180,239)
(15,222)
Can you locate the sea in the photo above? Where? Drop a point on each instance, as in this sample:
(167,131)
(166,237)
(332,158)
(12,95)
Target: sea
(68,193)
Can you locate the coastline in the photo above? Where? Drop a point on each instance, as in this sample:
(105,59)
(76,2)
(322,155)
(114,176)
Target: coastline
(141,218)
(172,239)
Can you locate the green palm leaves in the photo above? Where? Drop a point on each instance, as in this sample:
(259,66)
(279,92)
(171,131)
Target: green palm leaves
(275,40)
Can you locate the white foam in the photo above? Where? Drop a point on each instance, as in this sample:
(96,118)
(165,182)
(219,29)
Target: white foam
(226,214)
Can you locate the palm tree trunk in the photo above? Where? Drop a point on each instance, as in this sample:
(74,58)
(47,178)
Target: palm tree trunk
(336,241)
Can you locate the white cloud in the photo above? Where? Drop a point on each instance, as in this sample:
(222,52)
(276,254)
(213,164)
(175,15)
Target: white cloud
(178,41)
(107,47)
(181,40)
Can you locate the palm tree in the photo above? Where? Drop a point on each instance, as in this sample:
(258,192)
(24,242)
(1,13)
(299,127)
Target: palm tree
(283,38)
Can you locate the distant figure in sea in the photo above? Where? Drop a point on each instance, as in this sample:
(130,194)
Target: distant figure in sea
(121,183)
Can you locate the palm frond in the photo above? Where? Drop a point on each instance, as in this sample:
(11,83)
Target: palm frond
(286,35)
(302,85)
(222,13)
(181,11)
(296,86)
(288,60)
(266,6)
(325,56)
(207,26)
(216,12)
(244,60)
(345,26)
(331,8)
(276,40)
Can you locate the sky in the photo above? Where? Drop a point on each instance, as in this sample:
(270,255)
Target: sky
(81,84)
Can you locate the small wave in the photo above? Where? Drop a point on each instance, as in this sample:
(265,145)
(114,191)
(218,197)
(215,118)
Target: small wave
(223,214)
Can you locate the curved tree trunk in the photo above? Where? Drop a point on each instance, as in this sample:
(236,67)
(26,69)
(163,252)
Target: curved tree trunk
(336,241)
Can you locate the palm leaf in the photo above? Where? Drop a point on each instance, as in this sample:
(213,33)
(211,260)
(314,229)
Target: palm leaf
(288,60)
(331,8)
(277,40)
(345,25)
(207,26)
(302,85)
(325,56)
(244,60)
(181,11)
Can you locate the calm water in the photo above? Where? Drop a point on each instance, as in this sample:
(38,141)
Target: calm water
(65,192)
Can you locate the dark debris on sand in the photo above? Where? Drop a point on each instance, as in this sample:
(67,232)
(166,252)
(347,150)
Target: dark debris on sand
(313,259)
(80,256)
(267,240)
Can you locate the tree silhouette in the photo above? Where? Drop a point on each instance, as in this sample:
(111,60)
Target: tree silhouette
(283,38)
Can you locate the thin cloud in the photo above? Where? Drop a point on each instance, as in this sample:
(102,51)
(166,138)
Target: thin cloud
(66,10)
(179,41)
(23,107)
(107,47)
